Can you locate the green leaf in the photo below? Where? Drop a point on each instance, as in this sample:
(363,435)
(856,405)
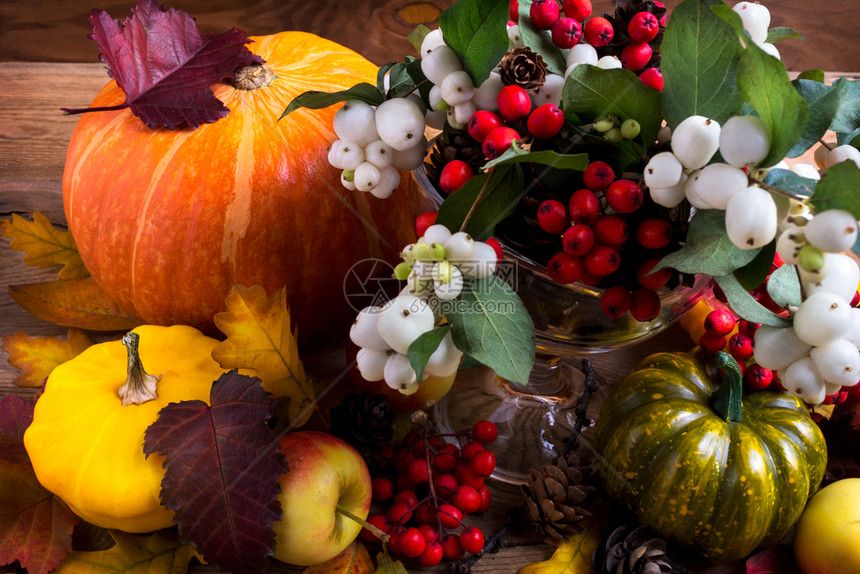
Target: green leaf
(708,249)
(823,102)
(699,54)
(848,118)
(755,272)
(814,75)
(385,564)
(490,324)
(416,37)
(746,306)
(591,93)
(315,100)
(765,85)
(477,31)
(540,41)
(401,78)
(790,182)
(779,33)
(425,345)
(783,286)
(516,154)
(852,138)
(838,189)
(504,188)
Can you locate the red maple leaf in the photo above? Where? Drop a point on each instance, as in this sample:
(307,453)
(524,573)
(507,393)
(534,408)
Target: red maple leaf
(165,66)
(222,471)
(35,526)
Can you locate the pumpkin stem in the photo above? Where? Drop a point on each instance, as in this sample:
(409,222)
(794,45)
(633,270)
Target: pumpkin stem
(140,386)
(251,77)
(728,400)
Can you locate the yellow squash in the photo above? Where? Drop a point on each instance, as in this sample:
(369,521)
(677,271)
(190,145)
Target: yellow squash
(87,448)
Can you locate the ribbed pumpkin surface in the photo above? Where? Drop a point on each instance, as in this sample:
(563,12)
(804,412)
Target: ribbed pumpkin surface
(725,488)
(168,221)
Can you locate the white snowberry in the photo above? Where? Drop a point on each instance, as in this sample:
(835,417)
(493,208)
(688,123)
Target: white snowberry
(345,155)
(670,196)
(459,247)
(744,141)
(823,317)
(832,230)
(806,170)
(691,193)
(434,96)
(355,122)
(389,179)
(550,92)
(770,50)
(379,154)
(486,95)
(838,362)
(718,182)
(457,88)
(755,18)
(802,379)
(462,113)
(440,62)
(366,176)
(609,62)
(404,319)
(663,170)
(411,158)
(842,153)
(371,364)
(788,244)
(364,331)
(514,38)
(437,234)
(398,372)
(432,40)
(751,218)
(448,281)
(400,123)
(695,140)
(445,360)
(483,262)
(346,179)
(581,54)
(777,347)
(842,277)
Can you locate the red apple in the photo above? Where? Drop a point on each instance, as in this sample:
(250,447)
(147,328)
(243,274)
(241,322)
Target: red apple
(325,473)
(431,389)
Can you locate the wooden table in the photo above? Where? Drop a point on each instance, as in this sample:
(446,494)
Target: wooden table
(41,72)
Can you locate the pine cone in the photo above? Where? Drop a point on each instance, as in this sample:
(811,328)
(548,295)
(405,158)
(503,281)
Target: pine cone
(365,421)
(555,496)
(523,67)
(637,551)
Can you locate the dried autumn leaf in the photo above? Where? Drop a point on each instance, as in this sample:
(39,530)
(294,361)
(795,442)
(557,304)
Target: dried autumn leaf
(165,66)
(573,556)
(222,472)
(16,414)
(35,526)
(36,357)
(259,337)
(77,303)
(387,565)
(355,559)
(161,553)
(45,245)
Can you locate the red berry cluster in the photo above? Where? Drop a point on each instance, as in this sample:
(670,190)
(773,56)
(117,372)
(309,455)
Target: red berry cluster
(724,330)
(572,22)
(600,222)
(426,488)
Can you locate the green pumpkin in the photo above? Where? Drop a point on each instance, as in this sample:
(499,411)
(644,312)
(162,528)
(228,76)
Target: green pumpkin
(708,476)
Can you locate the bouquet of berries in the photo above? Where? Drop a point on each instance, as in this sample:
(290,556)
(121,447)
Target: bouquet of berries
(626,152)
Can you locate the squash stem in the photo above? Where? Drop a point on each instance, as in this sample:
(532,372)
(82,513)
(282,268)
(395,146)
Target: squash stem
(728,400)
(139,386)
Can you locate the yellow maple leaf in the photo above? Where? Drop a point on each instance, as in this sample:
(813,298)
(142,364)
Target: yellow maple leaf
(45,245)
(573,556)
(355,559)
(36,357)
(158,553)
(260,341)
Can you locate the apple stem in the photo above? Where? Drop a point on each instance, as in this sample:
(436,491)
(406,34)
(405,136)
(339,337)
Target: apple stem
(352,516)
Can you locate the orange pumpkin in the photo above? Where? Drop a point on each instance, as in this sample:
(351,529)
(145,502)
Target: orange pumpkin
(168,221)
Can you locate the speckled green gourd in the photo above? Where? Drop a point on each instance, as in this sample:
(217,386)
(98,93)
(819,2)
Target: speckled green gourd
(723,487)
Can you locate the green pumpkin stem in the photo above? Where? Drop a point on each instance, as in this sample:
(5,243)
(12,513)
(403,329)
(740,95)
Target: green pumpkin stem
(728,400)
(140,386)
